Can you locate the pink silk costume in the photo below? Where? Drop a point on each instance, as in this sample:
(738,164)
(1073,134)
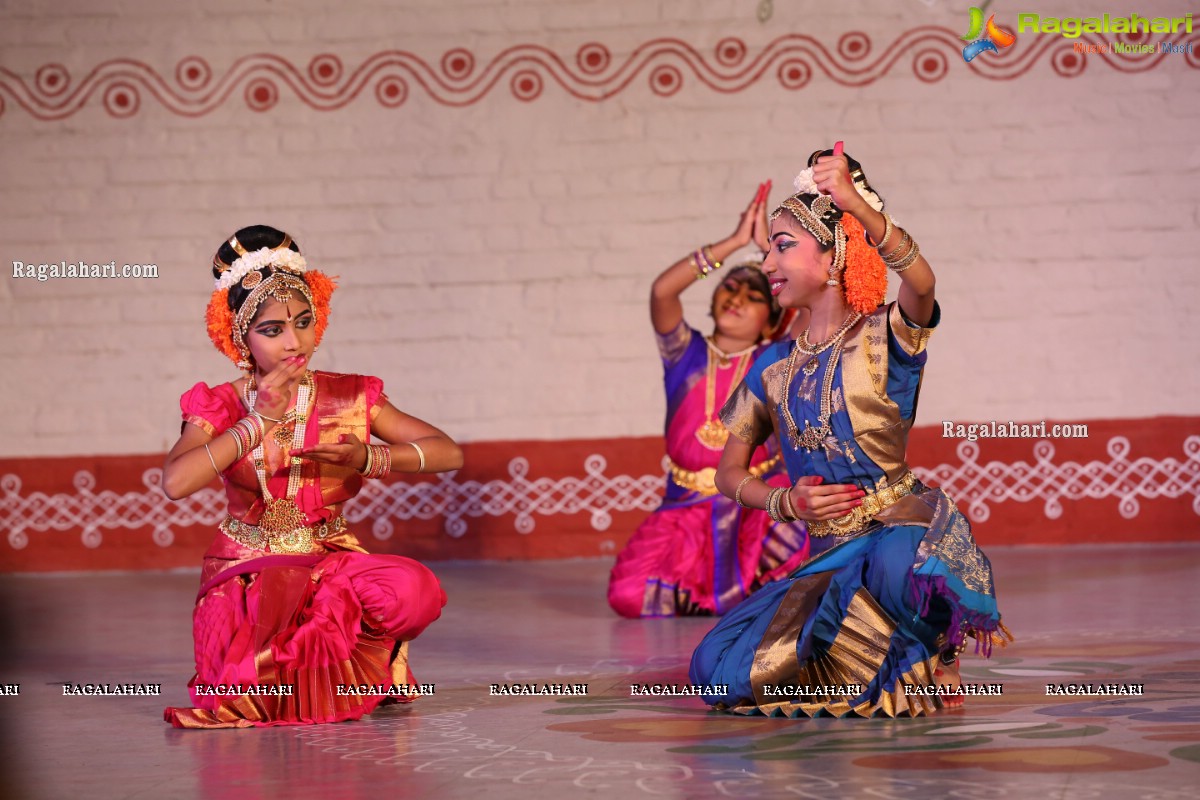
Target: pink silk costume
(333,617)
(699,553)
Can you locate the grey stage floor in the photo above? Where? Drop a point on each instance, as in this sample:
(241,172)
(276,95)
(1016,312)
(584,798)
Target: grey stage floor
(1080,614)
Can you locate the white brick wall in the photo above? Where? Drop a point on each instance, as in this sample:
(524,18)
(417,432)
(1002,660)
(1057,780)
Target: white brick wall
(495,259)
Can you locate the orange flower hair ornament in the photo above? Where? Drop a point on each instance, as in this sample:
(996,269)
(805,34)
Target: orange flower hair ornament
(286,272)
(865,278)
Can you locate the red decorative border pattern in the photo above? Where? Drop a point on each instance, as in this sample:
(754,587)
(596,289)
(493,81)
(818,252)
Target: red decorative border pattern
(592,74)
(1128,481)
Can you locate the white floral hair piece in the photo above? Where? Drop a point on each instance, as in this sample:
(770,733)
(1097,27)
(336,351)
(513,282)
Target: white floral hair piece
(285,259)
(805,184)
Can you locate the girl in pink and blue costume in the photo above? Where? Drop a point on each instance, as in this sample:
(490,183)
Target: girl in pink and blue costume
(698,553)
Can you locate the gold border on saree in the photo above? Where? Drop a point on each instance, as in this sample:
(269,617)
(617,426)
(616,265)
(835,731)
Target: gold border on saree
(297,542)
(874,503)
(705,481)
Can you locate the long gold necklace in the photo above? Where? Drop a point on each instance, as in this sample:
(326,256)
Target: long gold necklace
(812,437)
(282,520)
(713,434)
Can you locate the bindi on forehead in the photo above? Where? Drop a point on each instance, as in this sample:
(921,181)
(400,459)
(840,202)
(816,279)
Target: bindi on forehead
(272,310)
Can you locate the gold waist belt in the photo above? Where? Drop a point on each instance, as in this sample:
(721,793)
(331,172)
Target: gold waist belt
(298,542)
(860,517)
(704,481)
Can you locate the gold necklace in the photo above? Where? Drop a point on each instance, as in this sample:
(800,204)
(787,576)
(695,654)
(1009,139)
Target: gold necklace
(813,438)
(282,520)
(713,434)
(725,357)
(812,350)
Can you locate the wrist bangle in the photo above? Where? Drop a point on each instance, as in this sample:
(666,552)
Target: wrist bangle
(772,508)
(365,469)
(212,460)
(900,250)
(237,442)
(737,496)
(905,261)
(889,228)
(379,461)
(788,508)
(420,455)
(713,263)
(383,461)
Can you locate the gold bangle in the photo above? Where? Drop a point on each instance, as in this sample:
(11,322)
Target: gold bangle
(788,507)
(707,252)
(737,496)
(902,248)
(888,229)
(907,261)
(420,455)
(772,507)
(212,460)
(368,462)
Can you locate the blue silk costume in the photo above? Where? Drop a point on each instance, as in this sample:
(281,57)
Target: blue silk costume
(872,609)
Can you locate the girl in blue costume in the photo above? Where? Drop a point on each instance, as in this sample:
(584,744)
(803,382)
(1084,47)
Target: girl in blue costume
(895,582)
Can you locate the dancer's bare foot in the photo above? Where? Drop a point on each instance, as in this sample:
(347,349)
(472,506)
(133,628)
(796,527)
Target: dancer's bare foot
(947,675)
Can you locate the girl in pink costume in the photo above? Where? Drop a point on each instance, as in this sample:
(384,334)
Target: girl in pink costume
(699,553)
(294,623)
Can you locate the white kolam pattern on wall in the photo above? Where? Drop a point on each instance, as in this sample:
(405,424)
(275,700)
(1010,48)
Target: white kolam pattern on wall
(976,486)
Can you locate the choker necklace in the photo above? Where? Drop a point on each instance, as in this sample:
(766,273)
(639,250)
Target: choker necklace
(713,434)
(814,437)
(282,520)
(814,350)
(722,355)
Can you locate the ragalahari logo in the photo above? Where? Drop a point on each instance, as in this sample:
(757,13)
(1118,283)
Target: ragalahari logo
(994,36)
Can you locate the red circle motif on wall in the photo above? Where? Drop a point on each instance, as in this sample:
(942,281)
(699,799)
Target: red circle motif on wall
(794,74)
(121,99)
(665,80)
(1192,56)
(1067,63)
(730,51)
(593,58)
(854,45)
(52,79)
(930,65)
(325,69)
(261,94)
(526,85)
(458,63)
(391,91)
(193,73)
